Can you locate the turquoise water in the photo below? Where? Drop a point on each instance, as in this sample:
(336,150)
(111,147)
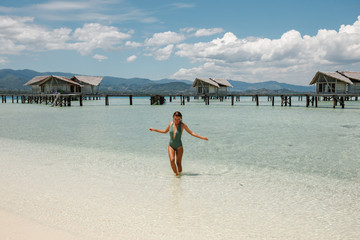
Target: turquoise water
(265,173)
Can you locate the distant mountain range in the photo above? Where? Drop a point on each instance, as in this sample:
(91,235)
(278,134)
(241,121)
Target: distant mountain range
(273,86)
(14,80)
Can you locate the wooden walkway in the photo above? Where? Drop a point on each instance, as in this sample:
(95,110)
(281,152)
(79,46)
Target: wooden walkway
(64,100)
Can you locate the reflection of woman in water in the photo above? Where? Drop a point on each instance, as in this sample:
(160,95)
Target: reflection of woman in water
(175,145)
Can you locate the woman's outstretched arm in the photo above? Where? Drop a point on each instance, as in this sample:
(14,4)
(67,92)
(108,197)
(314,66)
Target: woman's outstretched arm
(161,131)
(194,134)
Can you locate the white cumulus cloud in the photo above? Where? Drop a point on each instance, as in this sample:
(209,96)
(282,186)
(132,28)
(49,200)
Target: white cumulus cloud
(290,56)
(162,54)
(94,35)
(208,31)
(133,44)
(164,38)
(99,57)
(132,58)
(19,34)
(3,60)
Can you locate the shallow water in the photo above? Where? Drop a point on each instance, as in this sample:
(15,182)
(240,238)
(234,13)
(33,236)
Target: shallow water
(265,173)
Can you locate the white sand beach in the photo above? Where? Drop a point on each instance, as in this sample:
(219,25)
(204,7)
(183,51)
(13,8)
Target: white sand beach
(15,227)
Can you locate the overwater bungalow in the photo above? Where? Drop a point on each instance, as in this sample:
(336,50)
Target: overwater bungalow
(77,84)
(337,82)
(88,84)
(211,87)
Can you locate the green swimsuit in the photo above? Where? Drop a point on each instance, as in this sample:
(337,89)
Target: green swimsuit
(175,143)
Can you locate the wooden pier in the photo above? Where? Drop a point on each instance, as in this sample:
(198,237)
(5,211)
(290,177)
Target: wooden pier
(65,100)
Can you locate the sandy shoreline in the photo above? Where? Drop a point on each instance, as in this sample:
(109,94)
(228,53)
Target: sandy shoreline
(15,227)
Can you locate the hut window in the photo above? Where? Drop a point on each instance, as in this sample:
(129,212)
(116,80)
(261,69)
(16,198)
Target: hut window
(203,90)
(332,87)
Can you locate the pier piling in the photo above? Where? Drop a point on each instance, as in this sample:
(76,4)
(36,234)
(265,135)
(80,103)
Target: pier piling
(64,100)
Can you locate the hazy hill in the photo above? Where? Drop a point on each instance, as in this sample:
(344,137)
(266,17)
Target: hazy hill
(14,80)
(166,80)
(269,85)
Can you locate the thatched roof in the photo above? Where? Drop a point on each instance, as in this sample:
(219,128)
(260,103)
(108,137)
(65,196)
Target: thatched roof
(42,79)
(352,75)
(95,81)
(207,80)
(222,82)
(335,75)
(35,80)
(214,82)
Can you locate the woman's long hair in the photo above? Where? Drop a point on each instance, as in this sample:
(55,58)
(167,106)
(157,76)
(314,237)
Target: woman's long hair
(177,114)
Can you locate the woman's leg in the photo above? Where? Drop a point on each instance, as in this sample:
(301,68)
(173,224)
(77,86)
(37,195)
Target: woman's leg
(179,154)
(172,159)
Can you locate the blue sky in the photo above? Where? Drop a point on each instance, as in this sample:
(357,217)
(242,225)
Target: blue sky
(251,41)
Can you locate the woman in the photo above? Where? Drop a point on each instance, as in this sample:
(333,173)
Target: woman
(176,128)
